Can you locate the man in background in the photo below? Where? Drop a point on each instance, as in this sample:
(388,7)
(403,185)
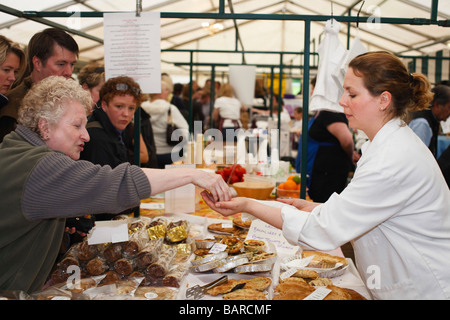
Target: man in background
(51,52)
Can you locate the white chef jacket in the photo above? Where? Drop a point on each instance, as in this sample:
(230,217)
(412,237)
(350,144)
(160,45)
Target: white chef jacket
(229,108)
(396,212)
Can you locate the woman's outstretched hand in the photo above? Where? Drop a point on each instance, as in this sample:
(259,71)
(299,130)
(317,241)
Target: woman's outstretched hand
(300,204)
(226,208)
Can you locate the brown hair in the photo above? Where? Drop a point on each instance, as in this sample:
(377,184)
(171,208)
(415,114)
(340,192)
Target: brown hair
(382,71)
(91,74)
(41,45)
(120,86)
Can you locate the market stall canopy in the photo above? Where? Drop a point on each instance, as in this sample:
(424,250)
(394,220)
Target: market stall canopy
(257,25)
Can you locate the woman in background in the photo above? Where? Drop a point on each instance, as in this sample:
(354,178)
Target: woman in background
(92,77)
(12,65)
(158,108)
(227,110)
(395,211)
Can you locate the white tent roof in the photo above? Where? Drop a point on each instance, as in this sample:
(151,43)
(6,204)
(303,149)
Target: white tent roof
(265,34)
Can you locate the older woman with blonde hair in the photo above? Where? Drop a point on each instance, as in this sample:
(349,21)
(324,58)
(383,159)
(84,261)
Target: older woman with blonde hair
(42,183)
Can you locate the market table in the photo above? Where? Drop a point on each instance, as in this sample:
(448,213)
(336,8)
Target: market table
(155,257)
(204,216)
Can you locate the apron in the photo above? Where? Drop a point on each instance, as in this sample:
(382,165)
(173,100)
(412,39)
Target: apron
(311,152)
(235,123)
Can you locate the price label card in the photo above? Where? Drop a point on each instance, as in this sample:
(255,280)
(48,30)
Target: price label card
(108,231)
(259,230)
(319,294)
(218,247)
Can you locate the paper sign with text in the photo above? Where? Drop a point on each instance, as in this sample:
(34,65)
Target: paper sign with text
(108,231)
(259,230)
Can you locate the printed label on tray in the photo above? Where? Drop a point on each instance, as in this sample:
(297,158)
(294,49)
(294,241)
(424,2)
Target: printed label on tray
(319,294)
(218,247)
(288,273)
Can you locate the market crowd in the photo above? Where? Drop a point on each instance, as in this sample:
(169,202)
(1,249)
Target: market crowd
(67,148)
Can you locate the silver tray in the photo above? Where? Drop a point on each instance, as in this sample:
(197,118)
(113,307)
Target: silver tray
(252,268)
(209,258)
(204,244)
(208,266)
(231,264)
(270,258)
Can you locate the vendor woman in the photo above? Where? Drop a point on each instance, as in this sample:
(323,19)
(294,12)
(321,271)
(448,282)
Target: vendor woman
(396,209)
(43,183)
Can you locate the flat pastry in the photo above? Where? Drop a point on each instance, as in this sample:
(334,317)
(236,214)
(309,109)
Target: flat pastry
(291,296)
(218,227)
(256,283)
(320,282)
(245,294)
(155,293)
(234,244)
(305,273)
(223,288)
(324,257)
(337,293)
(292,289)
(242,223)
(354,294)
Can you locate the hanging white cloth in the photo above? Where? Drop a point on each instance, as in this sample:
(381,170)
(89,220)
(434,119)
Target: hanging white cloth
(331,51)
(338,75)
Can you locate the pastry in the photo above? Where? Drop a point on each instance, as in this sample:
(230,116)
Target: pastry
(337,293)
(83,284)
(110,278)
(155,293)
(234,244)
(256,283)
(157,229)
(124,266)
(245,294)
(59,275)
(113,252)
(354,294)
(86,251)
(126,287)
(201,252)
(305,273)
(177,231)
(68,261)
(324,257)
(136,274)
(265,256)
(221,228)
(256,246)
(160,268)
(242,223)
(96,266)
(292,289)
(131,248)
(173,277)
(320,282)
